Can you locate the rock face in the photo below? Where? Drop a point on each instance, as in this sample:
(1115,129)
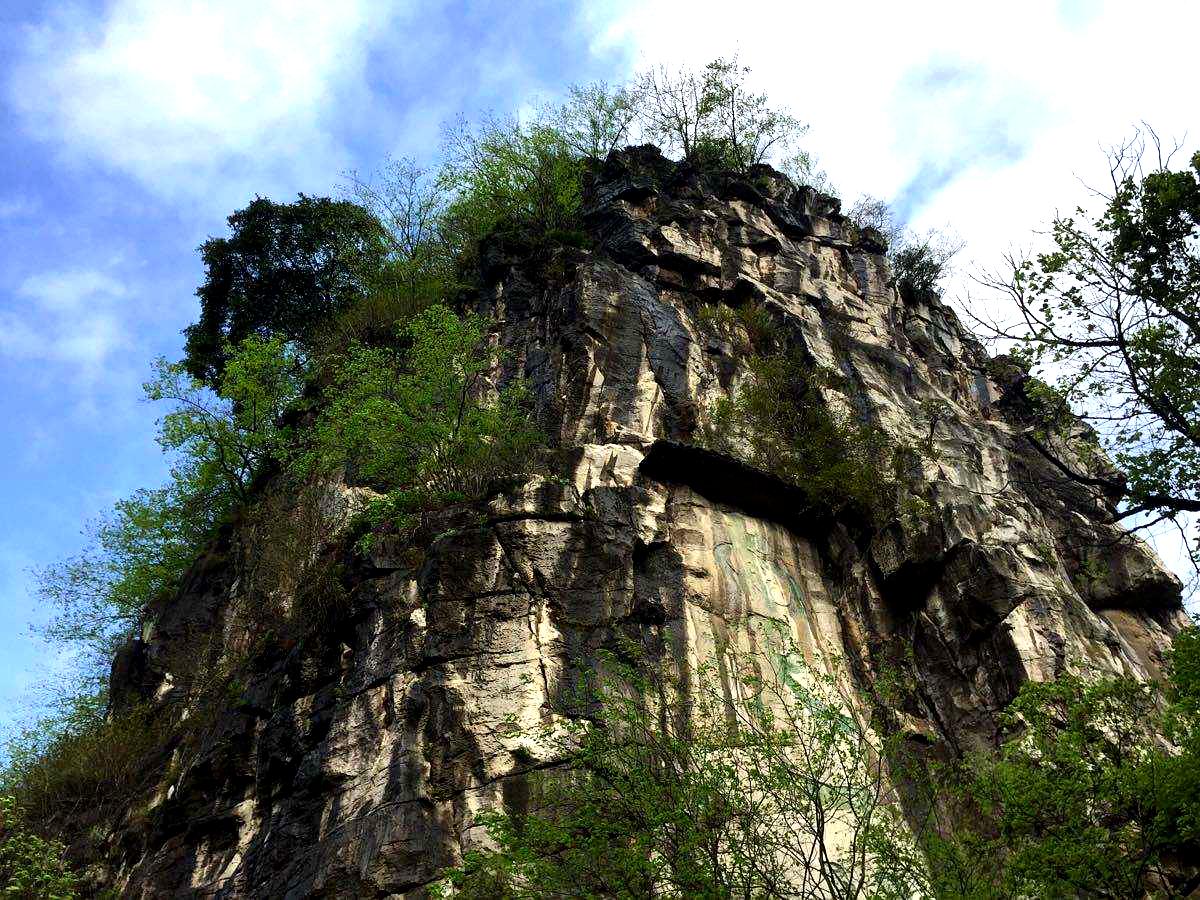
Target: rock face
(352,763)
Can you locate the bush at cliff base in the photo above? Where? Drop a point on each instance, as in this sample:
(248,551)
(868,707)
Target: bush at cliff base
(30,866)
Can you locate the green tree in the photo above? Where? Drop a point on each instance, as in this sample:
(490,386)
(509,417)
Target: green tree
(596,119)
(712,117)
(220,439)
(1110,317)
(920,262)
(139,553)
(283,268)
(523,178)
(1096,793)
(747,785)
(410,203)
(422,423)
(804,169)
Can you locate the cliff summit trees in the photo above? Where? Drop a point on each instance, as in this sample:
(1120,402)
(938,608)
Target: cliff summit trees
(512,176)
(284,267)
(712,117)
(920,262)
(409,201)
(409,238)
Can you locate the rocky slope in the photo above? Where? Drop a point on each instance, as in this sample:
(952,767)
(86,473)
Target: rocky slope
(352,763)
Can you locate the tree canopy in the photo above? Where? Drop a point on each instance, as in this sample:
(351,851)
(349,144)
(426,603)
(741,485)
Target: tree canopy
(712,117)
(283,267)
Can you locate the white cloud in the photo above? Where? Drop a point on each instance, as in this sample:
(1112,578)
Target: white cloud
(1022,90)
(180,94)
(71,319)
(17,207)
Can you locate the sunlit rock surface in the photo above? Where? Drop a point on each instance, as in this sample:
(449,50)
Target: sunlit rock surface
(354,762)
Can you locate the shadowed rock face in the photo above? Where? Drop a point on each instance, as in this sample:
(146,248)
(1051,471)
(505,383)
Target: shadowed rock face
(355,760)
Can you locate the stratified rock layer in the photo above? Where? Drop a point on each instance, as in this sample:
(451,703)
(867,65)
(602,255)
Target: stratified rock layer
(354,761)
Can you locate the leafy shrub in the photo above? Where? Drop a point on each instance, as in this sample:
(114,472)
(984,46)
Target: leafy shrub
(30,865)
(68,778)
(920,262)
(1048,409)
(372,321)
(779,421)
(1086,798)
(409,201)
(525,179)
(419,423)
(749,325)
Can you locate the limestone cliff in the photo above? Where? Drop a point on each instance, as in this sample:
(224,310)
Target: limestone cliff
(351,762)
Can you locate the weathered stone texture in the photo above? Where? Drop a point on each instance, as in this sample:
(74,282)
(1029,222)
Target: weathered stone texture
(355,762)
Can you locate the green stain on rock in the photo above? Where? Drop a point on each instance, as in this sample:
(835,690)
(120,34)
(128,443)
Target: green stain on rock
(752,571)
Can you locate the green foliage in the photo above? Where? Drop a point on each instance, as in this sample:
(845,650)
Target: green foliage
(74,761)
(522,178)
(1048,409)
(31,866)
(220,441)
(1110,315)
(419,423)
(596,118)
(803,168)
(139,553)
(410,203)
(1153,224)
(920,262)
(749,326)
(136,555)
(712,117)
(1184,677)
(1086,798)
(779,421)
(284,267)
(739,784)
(68,774)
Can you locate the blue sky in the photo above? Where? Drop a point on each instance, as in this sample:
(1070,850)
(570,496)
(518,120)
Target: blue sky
(131,128)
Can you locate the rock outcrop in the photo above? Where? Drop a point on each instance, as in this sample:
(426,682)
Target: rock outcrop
(352,762)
